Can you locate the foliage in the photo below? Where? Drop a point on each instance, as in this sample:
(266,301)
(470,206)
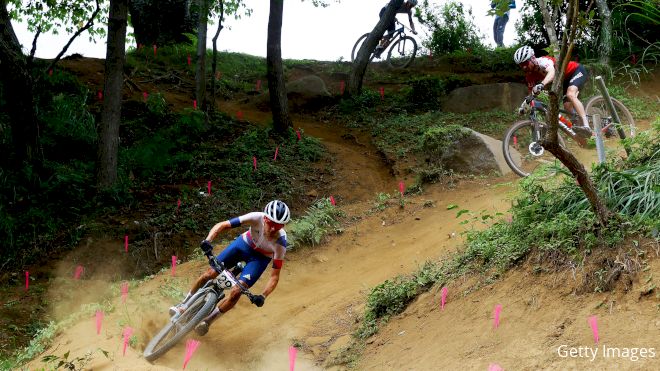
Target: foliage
(436,139)
(452,28)
(57,15)
(320,219)
(77,363)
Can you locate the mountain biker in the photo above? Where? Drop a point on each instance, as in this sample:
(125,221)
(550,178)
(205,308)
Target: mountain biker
(539,72)
(406,8)
(264,241)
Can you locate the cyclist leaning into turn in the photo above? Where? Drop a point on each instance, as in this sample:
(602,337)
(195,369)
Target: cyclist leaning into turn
(539,72)
(263,242)
(406,8)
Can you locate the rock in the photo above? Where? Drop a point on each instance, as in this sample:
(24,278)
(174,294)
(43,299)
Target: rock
(309,92)
(487,97)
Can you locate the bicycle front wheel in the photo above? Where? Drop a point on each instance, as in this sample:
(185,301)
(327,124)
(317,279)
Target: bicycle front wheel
(402,52)
(173,332)
(358,45)
(522,151)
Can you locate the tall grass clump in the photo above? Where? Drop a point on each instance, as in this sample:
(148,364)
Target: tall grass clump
(321,219)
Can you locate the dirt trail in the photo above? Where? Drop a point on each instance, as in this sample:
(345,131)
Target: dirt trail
(322,290)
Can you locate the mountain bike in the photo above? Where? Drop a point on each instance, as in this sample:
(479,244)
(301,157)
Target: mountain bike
(199,306)
(402,48)
(521,144)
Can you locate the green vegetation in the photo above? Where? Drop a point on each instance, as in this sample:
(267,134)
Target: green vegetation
(320,220)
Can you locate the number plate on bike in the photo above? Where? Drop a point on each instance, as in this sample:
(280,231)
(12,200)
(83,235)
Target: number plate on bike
(225,280)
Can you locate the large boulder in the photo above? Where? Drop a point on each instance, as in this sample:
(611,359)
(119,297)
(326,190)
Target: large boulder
(487,97)
(308,92)
(466,151)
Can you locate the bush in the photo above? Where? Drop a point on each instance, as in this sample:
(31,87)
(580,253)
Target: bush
(452,28)
(319,221)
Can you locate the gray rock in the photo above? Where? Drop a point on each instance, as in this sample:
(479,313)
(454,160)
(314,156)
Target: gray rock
(502,96)
(476,154)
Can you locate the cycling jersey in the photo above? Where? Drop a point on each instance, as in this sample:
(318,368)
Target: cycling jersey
(270,246)
(534,77)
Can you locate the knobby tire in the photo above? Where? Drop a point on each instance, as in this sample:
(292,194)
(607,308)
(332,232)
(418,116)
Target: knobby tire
(406,41)
(197,311)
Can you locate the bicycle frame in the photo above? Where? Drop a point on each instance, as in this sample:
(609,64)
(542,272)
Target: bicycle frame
(534,105)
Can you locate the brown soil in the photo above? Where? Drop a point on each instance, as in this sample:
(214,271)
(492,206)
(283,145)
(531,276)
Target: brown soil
(321,294)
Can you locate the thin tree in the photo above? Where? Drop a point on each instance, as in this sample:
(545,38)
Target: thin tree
(605,39)
(214,63)
(200,66)
(279,103)
(112,92)
(551,140)
(368,46)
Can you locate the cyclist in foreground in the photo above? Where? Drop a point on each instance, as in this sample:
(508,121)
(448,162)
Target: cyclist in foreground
(264,241)
(406,8)
(539,72)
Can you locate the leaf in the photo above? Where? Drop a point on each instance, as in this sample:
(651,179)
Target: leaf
(451,206)
(458,214)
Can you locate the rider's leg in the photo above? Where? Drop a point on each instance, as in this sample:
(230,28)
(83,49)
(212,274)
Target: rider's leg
(572,95)
(205,277)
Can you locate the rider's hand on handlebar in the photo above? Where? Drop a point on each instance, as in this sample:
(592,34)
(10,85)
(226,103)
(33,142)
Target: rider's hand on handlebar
(258,300)
(537,88)
(206,247)
(414,32)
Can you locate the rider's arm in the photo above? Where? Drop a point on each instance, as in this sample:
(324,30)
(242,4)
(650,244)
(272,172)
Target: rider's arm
(412,25)
(272,281)
(549,71)
(217,229)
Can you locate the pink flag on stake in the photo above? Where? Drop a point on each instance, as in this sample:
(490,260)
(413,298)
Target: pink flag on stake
(276,150)
(496,315)
(495,367)
(189,59)
(402,188)
(298,134)
(78,272)
(145,95)
(239,115)
(155,50)
(254,163)
(515,140)
(593,322)
(178,205)
(99,320)
(99,95)
(292,357)
(127,336)
(208,187)
(173,265)
(443,298)
(50,72)
(191,347)
(382,93)
(342,86)
(124,291)
(258,86)
(195,104)
(27,280)
(332,201)
(126,243)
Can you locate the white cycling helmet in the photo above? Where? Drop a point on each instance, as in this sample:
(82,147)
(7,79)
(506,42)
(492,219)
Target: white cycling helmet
(278,212)
(523,54)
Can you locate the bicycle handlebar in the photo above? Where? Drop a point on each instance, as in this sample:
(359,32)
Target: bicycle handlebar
(220,268)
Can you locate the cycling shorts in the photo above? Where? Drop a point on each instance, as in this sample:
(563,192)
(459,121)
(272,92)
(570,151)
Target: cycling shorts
(390,27)
(239,250)
(577,79)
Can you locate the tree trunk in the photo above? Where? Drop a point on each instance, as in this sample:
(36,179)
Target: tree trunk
(279,105)
(214,66)
(605,41)
(549,22)
(368,47)
(162,22)
(200,67)
(112,93)
(18,92)
(551,142)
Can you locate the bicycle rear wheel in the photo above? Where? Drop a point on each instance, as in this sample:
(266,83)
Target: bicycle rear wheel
(175,331)
(613,146)
(402,52)
(358,45)
(522,151)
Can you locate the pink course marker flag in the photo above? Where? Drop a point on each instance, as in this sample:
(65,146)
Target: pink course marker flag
(239,115)
(195,104)
(126,243)
(443,298)
(27,280)
(495,367)
(124,291)
(332,201)
(402,188)
(257,87)
(208,187)
(191,347)
(293,351)
(127,337)
(298,134)
(593,322)
(496,315)
(155,50)
(342,86)
(145,95)
(382,93)
(99,95)
(189,59)
(173,265)
(78,272)
(254,163)
(99,321)
(277,149)
(178,205)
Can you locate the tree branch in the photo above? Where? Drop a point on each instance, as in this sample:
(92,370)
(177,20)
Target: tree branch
(34,46)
